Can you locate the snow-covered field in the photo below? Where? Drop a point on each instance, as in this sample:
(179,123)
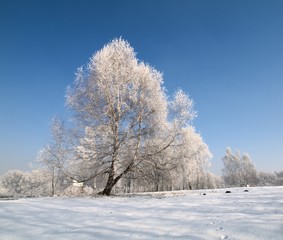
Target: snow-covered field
(257,214)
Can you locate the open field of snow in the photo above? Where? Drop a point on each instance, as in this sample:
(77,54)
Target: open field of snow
(257,214)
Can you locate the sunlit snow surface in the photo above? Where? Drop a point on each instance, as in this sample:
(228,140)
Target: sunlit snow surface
(257,214)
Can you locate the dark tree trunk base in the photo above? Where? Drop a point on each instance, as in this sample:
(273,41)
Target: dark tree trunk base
(106,191)
(103,193)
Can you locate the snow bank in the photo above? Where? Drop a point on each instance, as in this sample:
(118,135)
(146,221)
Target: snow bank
(257,214)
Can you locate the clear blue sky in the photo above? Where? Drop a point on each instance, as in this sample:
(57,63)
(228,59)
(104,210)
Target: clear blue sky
(228,55)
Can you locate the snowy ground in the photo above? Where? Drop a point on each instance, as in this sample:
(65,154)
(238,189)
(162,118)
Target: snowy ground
(257,214)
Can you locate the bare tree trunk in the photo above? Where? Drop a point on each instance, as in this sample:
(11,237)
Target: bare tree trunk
(111,182)
(53,182)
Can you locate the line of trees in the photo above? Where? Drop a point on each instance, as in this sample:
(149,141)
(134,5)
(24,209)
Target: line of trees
(239,171)
(46,180)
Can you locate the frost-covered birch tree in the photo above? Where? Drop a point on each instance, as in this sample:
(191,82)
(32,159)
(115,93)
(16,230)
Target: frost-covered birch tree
(54,157)
(125,124)
(122,101)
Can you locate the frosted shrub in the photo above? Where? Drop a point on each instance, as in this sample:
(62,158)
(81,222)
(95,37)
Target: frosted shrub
(88,190)
(74,191)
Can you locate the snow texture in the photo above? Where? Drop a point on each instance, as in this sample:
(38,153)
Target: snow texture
(256,214)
